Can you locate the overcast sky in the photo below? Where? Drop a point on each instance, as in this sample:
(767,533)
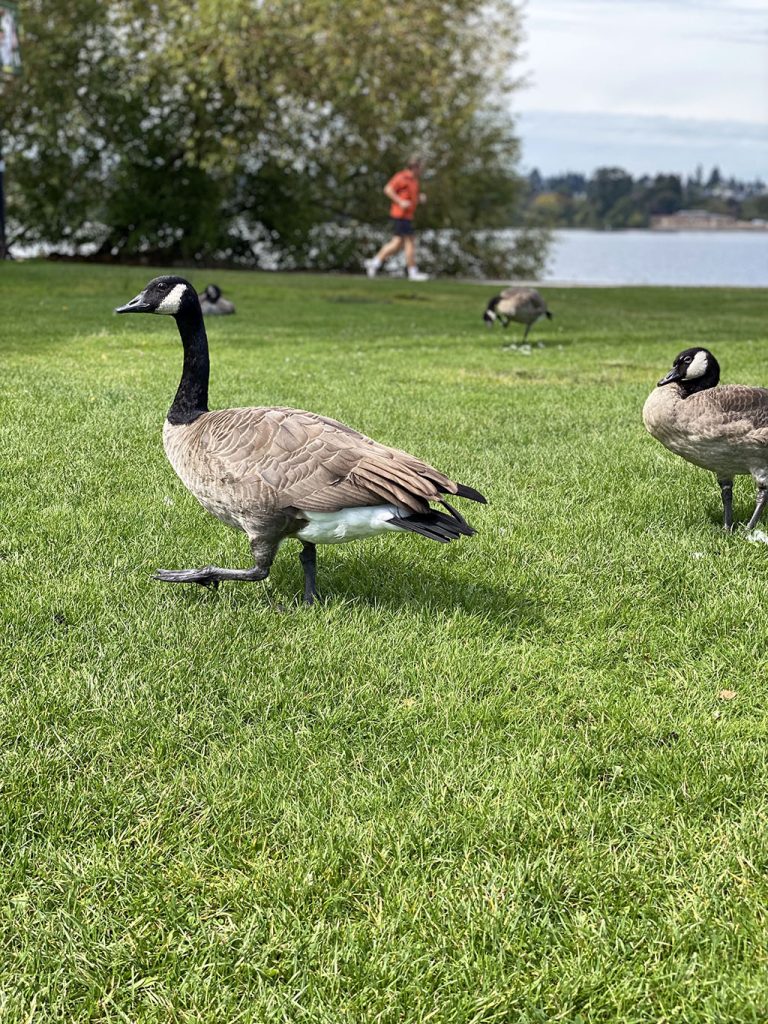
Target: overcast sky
(650,85)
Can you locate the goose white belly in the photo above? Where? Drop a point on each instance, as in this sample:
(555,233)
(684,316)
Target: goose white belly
(347,524)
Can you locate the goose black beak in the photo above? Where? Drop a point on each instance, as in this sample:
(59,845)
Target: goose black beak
(673,375)
(137,305)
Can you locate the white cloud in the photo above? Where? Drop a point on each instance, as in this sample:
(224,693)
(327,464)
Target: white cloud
(677,58)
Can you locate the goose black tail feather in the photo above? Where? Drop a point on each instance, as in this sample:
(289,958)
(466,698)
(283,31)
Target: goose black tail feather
(461,522)
(435,525)
(469,492)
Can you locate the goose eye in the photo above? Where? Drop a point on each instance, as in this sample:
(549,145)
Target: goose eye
(688,359)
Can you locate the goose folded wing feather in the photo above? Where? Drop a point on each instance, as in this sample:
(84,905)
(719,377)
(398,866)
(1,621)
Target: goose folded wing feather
(308,462)
(743,411)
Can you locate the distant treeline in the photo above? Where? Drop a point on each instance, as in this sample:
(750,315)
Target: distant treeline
(612,198)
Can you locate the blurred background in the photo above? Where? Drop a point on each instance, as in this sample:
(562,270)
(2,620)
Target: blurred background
(260,134)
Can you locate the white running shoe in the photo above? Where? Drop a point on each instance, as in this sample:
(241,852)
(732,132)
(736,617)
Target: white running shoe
(371,267)
(414,274)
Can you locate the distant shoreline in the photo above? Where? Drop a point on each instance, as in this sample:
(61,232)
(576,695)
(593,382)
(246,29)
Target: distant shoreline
(737,228)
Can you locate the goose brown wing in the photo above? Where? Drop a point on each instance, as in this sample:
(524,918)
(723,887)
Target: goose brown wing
(537,302)
(292,459)
(522,302)
(739,411)
(524,295)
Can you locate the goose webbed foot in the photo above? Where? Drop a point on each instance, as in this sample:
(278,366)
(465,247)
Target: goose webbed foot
(726,490)
(210,575)
(762,498)
(308,559)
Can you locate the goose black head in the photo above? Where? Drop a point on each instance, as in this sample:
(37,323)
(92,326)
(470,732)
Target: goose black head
(489,316)
(212,293)
(695,369)
(169,295)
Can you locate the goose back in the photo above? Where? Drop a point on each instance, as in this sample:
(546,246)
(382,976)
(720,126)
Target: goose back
(524,305)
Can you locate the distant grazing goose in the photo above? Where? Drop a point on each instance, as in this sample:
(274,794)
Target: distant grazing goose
(523,305)
(277,473)
(724,430)
(213,304)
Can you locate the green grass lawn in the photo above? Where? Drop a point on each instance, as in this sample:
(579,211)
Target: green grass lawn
(491,781)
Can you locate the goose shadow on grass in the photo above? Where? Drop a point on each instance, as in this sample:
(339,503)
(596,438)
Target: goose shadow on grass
(511,343)
(378,580)
(359,300)
(388,580)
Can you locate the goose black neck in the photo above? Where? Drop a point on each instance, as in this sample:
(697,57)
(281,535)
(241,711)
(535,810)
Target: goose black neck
(191,398)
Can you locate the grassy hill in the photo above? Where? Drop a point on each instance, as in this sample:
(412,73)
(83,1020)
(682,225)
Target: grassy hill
(492,781)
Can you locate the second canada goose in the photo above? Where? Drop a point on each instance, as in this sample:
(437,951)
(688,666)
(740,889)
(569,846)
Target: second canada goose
(212,303)
(276,473)
(722,429)
(523,305)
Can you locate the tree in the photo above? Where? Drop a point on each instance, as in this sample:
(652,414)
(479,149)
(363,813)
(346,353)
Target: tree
(665,195)
(756,207)
(552,208)
(535,182)
(242,129)
(606,187)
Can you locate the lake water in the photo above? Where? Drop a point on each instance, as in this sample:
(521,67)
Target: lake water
(731,258)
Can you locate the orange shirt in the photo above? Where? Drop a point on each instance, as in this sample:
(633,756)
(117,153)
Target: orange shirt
(405,184)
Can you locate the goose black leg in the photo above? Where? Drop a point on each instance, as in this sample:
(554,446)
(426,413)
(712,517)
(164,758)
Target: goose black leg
(211,575)
(762,498)
(726,490)
(527,328)
(308,559)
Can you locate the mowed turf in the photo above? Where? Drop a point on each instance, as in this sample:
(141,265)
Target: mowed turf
(491,781)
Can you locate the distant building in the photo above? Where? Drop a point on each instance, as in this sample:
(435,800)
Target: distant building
(703,220)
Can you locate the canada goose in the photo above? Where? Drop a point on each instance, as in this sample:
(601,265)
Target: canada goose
(213,304)
(523,305)
(724,430)
(277,473)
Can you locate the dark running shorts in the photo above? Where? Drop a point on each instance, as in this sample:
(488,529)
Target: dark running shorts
(401,226)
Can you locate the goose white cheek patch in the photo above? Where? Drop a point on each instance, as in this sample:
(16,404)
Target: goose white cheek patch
(698,367)
(172,301)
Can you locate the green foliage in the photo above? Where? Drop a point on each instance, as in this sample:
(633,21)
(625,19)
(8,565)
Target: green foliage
(236,130)
(607,187)
(515,253)
(486,782)
(756,206)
